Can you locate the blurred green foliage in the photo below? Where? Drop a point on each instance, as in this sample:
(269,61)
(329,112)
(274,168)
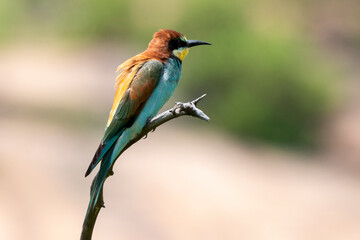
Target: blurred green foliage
(263,79)
(262,84)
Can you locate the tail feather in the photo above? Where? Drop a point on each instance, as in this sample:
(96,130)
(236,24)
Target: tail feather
(101,151)
(107,160)
(96,159)
(99,182)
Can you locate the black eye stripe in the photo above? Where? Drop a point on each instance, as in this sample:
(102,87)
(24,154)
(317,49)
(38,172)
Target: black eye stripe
(176,43)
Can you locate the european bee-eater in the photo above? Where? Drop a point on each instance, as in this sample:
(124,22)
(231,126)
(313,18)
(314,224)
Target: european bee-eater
(145,82)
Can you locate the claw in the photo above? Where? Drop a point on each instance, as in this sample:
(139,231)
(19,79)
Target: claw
(153,130)
(145,137)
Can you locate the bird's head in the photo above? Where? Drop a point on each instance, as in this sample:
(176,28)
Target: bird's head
(167,43)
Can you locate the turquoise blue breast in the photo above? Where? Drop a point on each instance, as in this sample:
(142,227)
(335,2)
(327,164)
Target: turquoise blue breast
(164,90)
(172,71)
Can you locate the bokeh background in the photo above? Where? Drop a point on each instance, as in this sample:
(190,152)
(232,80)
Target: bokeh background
(280,158)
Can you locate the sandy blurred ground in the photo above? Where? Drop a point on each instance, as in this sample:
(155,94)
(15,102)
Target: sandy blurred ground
(180,183)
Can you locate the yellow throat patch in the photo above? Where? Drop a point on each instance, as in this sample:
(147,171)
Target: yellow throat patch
(181,52)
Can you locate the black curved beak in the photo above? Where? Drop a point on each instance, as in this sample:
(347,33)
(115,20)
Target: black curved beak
(193,43)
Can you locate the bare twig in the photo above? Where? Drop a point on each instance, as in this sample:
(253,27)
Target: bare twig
(180,109)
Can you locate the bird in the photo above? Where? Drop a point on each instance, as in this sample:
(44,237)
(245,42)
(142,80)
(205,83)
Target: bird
(144,84)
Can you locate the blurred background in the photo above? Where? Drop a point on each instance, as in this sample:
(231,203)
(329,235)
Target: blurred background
(280,158)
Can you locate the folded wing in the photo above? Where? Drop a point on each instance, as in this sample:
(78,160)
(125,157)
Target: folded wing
(131,95)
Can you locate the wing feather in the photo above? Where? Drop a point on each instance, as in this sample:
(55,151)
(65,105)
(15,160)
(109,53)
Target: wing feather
(133,91)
